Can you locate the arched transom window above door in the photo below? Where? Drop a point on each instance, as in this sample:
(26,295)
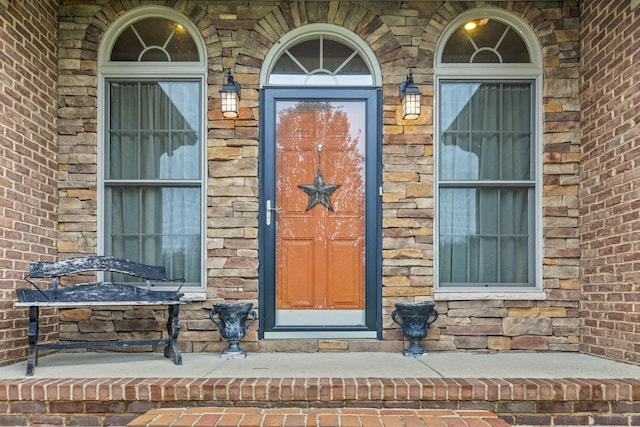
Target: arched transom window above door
(320,55)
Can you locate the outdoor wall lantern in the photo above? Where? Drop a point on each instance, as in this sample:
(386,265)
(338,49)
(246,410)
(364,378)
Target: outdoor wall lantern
(229,97)
(411,99)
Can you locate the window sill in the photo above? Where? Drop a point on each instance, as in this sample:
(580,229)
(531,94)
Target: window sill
(459,295)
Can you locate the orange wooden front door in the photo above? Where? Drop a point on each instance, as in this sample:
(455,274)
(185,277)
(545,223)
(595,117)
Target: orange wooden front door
(320,193)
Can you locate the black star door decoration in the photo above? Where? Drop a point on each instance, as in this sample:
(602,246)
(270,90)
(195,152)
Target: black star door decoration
(319,192)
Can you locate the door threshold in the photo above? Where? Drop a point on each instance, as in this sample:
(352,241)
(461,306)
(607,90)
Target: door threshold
(281,335)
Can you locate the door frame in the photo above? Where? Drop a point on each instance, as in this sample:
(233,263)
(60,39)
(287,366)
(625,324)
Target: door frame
(373,213)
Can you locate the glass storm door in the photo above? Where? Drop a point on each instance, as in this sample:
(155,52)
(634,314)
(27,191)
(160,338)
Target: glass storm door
(319,202)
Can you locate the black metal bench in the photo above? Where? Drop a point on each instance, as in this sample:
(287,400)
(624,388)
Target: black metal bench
(99,294)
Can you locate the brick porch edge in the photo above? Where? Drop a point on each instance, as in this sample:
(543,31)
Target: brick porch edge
(117,401)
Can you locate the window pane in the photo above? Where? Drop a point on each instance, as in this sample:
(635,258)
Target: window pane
(455,111)
(513,251)
(457,213)
(485,107)
(487,131)
(158,226)
(308,54)
(458,48)
(485,236)
(124,155)
(154,107)
(124,99)
(514,220)
(163,132)
(486,148)
(513,49)
(453,260)
(457,161)
(286,65)
(185,110)
(127,47)
(487,213)
(516,156)
(516,107)
(486,56)
(181,47)
(181,245)
(335,54)
(483,261)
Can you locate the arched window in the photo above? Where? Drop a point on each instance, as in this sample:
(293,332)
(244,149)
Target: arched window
(485,40)
(155,39)
(320,55)
(488,121)
(151,165)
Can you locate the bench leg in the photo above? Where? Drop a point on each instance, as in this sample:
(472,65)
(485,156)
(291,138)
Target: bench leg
(173,328)
(32,359)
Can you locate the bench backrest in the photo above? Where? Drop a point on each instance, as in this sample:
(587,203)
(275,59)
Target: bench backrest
(55,269)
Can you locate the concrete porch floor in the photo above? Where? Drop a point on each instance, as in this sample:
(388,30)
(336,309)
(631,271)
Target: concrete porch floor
(326,365)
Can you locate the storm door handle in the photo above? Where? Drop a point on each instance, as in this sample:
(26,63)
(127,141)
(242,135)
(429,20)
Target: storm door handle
(269,209)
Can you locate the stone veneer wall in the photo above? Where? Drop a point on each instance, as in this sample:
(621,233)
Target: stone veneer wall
(403,35)
(28,152)
(610,180)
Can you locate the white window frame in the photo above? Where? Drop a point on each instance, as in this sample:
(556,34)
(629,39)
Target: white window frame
(493,72)
(140,71)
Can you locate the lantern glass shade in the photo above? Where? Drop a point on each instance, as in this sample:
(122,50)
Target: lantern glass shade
(411,105)
(229,97)
(411,99)
(229,103)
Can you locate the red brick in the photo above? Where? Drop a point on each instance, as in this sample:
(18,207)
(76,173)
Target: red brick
(86,420)
(29,407)
(295,421)
(186,420)
(49,420)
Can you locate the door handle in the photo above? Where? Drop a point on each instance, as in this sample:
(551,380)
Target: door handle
(269,209)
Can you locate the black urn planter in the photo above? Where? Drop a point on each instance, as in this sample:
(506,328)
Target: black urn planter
(415,323)
(233,323)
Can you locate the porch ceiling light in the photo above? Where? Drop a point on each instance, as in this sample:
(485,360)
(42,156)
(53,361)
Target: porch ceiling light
(411,99)
(229,97)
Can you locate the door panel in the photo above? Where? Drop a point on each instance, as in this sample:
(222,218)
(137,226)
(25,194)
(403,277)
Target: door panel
(320,270)
(342,257)
(299,273)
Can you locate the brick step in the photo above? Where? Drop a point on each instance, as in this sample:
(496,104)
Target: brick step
(118,401)
(295,417)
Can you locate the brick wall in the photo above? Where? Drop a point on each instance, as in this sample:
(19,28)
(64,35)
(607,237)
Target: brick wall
(610,178)
(28,166)
(402,35)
